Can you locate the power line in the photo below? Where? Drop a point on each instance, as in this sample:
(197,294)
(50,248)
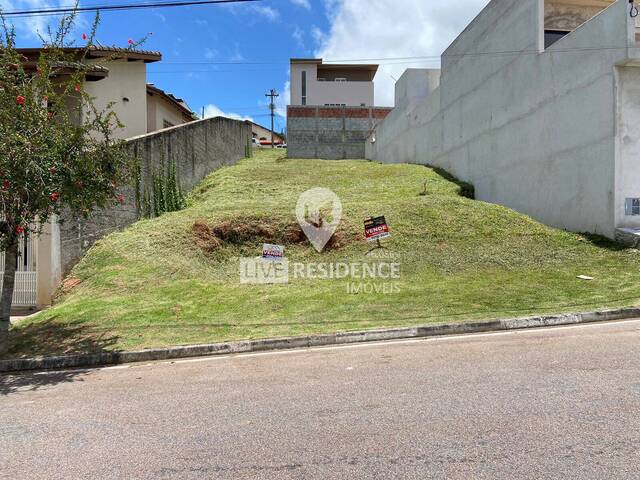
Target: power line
(124,6)
(180,72)
(253,108)
(413,59)
(381,61)
(173,3)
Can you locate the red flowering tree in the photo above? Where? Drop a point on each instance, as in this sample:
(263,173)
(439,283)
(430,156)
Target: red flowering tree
(57,151)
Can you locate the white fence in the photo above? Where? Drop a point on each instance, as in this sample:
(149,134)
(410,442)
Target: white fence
(24,293)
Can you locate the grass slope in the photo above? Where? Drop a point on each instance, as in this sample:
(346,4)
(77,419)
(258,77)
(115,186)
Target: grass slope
(153,285)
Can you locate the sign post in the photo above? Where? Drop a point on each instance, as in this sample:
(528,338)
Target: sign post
(375,229)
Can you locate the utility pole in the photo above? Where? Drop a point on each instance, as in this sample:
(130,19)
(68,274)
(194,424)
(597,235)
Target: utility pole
(272,106)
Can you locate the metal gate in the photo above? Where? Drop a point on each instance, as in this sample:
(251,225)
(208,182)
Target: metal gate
(24,293)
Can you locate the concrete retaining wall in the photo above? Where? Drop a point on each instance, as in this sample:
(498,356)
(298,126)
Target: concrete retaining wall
(533,130)
(196,148)
(331,133)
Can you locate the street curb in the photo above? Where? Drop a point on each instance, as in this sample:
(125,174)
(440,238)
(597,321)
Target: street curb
(341,338)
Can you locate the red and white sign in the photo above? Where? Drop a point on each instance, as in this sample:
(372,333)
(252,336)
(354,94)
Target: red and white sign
(272,252)
(376,229)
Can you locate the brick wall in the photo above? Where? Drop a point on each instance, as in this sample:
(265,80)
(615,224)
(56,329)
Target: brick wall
(197,148)
(330,132)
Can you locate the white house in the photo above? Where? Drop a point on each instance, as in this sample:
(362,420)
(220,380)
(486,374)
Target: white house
(538,105)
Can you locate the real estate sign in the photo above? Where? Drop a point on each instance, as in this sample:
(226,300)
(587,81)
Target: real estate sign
(272,252)
(376,229)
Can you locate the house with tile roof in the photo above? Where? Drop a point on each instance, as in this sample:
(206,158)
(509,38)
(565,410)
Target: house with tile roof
(120,80)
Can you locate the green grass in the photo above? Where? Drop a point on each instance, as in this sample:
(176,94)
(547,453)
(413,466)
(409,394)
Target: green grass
(152,286)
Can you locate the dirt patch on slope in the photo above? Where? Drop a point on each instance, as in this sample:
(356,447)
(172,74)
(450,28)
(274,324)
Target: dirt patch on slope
(253,231)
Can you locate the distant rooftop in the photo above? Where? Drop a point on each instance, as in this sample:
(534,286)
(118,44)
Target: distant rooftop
(336,66)
(147,56)
(178,102)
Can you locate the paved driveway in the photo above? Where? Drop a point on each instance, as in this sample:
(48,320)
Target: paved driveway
(553,403)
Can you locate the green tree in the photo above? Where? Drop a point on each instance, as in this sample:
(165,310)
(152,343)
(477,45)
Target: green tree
(57,150)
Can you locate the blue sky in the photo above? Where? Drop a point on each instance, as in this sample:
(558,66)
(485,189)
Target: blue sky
(259,38)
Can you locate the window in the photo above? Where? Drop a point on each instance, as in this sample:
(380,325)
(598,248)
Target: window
(632,206)
(552,36)
(304,87)
(167,124)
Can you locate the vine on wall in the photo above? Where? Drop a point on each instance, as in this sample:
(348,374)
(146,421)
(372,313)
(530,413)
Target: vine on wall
(164,195)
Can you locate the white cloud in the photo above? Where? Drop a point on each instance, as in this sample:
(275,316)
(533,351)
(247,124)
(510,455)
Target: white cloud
(283,100)
(159,15)
(36,27)
(298,36)
(302,3)
(210,53)
(318,35)
(212,110)
(237,56)
(268,13)
(252,14)
(365,29)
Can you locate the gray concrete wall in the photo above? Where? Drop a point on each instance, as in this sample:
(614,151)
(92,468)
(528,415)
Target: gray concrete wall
(414,86)
(628,144)
(197,148)
(533,130)
(331,133)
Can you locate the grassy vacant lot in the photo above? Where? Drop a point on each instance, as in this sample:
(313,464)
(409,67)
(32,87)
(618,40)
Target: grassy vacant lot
(162,282)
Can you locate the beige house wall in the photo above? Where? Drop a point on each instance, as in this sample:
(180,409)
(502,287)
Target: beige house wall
(48,265)
(159,111)
(259,132)
(351,93)
(296,80)
(126,87)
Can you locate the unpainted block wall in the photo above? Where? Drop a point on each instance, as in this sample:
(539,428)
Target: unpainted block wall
(197,148)
(331,133)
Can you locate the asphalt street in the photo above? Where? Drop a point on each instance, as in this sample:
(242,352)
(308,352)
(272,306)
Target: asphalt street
(546,403)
